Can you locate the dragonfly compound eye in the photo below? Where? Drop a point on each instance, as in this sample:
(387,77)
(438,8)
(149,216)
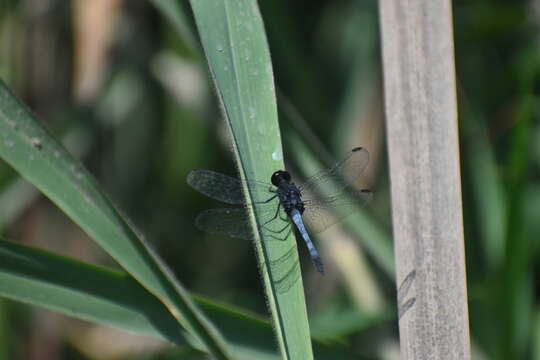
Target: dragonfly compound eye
(280,176)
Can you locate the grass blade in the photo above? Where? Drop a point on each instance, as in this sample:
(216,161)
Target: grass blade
(29,148)
(235,46)
(83,291)
(113,298)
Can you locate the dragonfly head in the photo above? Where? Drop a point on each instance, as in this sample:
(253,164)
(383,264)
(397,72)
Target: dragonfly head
(279,177)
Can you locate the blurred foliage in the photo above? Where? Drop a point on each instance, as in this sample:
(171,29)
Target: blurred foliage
(127,90)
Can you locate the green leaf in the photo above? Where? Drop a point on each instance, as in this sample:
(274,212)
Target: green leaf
(32,151)
(113,298)
(235,46)
(83,291)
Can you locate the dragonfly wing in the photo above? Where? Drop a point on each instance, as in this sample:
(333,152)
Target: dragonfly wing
(217,186)
(341,175)
(225,188)
(321,214)
(235,222)
(232,222)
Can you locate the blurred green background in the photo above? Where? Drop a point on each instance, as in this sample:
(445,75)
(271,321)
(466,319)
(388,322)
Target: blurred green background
(124,84)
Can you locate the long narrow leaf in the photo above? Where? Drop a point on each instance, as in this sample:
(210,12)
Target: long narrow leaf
(235,46)
(29,148)
(113,298)
(84,291)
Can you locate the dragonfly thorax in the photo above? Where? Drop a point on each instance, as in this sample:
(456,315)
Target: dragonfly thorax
(290,198)
(288,193)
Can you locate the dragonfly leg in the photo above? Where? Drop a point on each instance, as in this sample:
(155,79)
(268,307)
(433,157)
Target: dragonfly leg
(266,201)
(281,238)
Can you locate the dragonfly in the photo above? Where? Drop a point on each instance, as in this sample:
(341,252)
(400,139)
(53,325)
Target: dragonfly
(298,205)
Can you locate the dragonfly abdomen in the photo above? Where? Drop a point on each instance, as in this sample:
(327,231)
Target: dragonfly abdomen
(297,219)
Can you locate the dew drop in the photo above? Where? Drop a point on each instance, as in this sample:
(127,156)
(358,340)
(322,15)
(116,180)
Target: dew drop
(277,154)
(36,143)
(252,113)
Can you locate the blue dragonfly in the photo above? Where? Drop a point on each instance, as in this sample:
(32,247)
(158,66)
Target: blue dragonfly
(317,213)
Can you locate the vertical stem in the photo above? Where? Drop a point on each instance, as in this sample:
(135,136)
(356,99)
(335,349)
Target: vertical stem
(421,113)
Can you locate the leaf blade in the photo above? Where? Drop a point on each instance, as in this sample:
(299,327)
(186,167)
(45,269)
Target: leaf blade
(235,46)
(32,151)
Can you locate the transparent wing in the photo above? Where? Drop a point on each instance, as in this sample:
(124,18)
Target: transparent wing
(225,188)
(232,222)
(235,222)
(217,186)
(321,214)
(341,175)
